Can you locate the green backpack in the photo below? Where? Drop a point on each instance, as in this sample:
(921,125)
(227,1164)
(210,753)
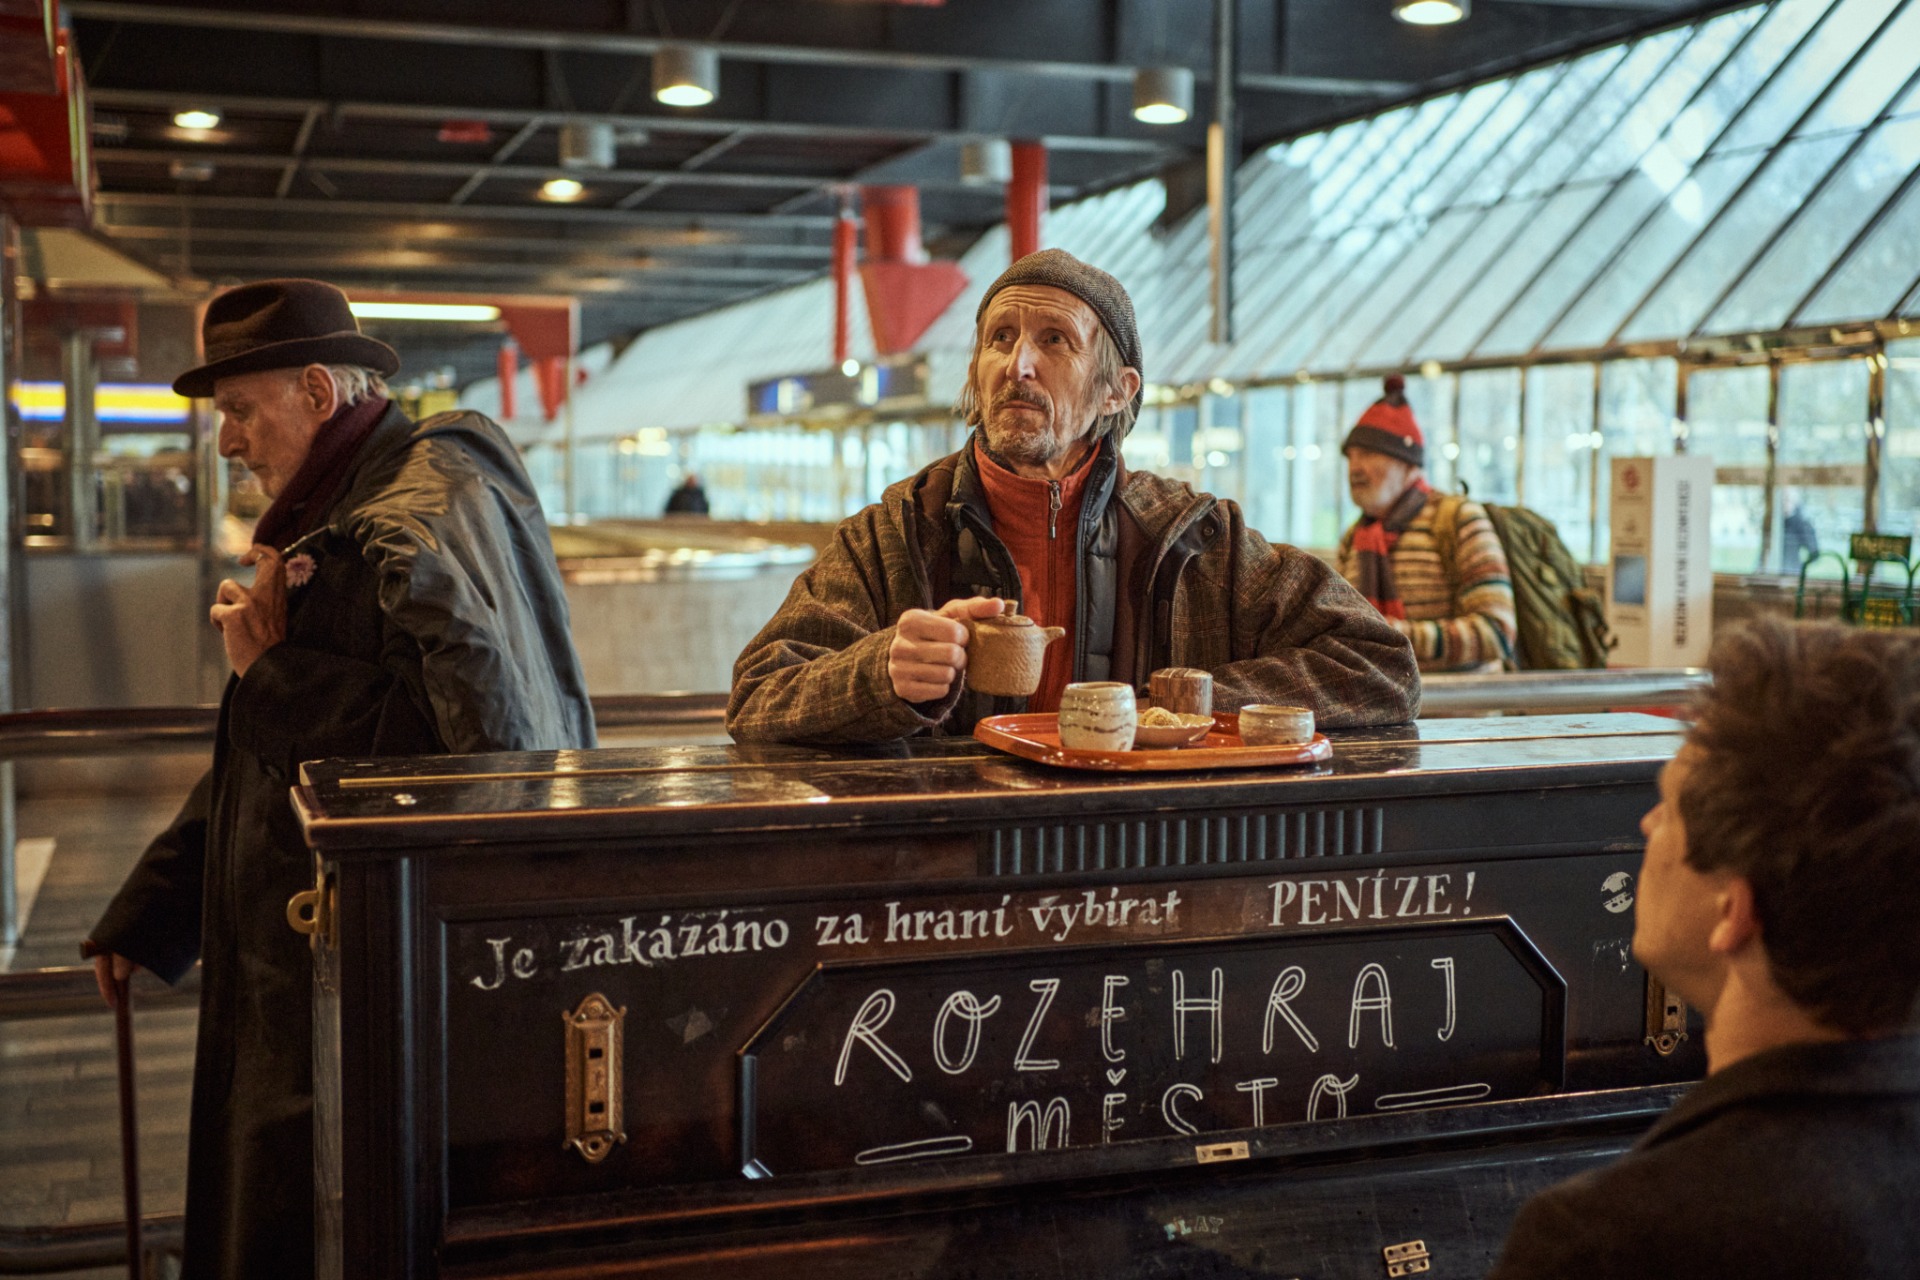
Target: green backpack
(1559,623)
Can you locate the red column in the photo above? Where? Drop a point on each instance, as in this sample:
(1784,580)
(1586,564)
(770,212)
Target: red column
(893,224)
(844,232)
(1027,197)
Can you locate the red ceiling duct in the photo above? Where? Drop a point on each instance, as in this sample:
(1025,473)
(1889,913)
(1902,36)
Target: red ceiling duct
(509,370)
(46,170)
(465,131)
(905,292)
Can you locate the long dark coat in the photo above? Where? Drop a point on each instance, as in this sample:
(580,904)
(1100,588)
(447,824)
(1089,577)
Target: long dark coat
(433,620)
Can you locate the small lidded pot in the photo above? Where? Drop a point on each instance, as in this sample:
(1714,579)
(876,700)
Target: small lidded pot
(1004,654)
(1098,715)
(1187,690)
(1266,724)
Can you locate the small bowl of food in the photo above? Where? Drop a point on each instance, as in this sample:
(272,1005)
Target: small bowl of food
(1160,729)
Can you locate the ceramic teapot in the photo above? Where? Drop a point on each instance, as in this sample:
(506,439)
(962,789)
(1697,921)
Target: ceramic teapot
(1004,654)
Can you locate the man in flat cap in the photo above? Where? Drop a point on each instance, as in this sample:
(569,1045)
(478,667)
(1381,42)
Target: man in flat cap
(404,602)
(1039,510)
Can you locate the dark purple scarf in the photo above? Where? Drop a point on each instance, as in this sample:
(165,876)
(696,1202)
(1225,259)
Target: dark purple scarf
(314,487)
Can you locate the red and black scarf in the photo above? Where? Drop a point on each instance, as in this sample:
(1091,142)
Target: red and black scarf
(1373,543)
(311,493)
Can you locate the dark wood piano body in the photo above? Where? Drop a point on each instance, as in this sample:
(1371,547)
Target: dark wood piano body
(937,1012)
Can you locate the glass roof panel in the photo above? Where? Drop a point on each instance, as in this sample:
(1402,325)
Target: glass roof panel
(1584,254)
(1380,194)
(1453,335)
(1878,273)
(1424,299)
(1470,158)
(1613,99)
(1794,263)
(1374,306)
(1736,237)
(1537,131)
(1743,74)
(1673,225)
(1795,87)
(1640,128)
(1871,83)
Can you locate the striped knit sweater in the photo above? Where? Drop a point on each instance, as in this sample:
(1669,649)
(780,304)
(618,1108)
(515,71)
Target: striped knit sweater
(1458,597)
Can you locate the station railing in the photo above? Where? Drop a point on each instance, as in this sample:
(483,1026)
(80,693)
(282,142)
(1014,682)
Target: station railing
(141,731)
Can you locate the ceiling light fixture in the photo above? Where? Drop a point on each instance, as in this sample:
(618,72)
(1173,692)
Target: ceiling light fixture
(1432,13)
(586,144)
(458,312)
(684,76)
(986,162)
(561,189)
(199,119)
(1162,95)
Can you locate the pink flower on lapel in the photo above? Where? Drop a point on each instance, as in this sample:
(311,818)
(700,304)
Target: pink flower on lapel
(300,570)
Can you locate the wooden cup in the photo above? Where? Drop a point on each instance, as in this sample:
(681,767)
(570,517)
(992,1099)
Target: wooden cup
(1188,690)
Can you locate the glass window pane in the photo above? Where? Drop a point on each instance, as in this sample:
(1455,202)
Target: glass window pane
(1326,262)
(1820,477)
(1806,76)
(1267,461)
(1727,421)
(1428,299)
(1489,434)
(1870,83)
(1320,474)
(1431,400)
(1340,292)
(1877,275)
(1570,92)
(1726,248)
(1640,128)
(1637,420)
(1541,233)
(1823,229)
(1613,100)
(1558,476)
(1899,507)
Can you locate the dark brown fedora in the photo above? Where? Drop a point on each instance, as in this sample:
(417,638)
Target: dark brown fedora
(281,324)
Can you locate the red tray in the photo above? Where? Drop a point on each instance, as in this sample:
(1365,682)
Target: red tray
(1035,735)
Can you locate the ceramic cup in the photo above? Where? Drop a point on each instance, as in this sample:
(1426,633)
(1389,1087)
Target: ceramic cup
(1265,724)
(1098,715)
(1187,690)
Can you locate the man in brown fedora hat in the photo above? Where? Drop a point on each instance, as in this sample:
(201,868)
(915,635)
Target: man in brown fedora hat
(404,602)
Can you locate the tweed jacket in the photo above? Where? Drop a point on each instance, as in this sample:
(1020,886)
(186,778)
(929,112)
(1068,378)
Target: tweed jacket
(1799,1162)
(1168,577)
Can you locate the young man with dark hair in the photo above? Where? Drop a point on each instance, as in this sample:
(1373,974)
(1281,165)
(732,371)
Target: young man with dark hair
(1778,895)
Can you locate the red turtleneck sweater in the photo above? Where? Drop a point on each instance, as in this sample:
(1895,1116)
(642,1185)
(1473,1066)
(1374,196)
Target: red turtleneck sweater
(1038,520)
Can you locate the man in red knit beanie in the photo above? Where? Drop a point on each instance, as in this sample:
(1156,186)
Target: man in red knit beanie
(1039,510)
(1429,561)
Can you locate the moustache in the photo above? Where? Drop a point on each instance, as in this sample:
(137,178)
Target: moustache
(1015,394)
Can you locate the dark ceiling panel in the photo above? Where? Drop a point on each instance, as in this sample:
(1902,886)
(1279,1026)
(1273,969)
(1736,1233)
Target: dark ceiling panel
(332,156)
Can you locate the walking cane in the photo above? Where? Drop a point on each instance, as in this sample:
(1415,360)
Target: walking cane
(129,1129)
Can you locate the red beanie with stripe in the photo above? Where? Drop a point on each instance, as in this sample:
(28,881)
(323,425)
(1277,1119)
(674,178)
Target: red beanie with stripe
(1388,427)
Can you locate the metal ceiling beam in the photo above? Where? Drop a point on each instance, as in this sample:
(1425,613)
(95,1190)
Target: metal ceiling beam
(617,43)
(438,212)
(637,281)
(242,103)
(481,170)
(272,236)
